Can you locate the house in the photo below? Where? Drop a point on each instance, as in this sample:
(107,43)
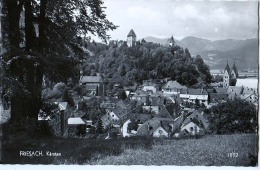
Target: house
(95,85)
(217,97)
(141,97)
(131,38)
(76,127)
(156,127)
(163,113)
(196,117)
(117,115)
(250,94)
(173,87)
(157,100)
(234,91)
(191,95)
(150,87)
(60,120)
(230,76)
(191,129)
(152,109)
(78,101)
(221,90)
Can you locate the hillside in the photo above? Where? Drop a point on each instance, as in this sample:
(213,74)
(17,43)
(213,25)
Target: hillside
(215,53)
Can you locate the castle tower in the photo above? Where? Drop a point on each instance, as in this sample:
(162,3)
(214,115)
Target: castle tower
(131,38)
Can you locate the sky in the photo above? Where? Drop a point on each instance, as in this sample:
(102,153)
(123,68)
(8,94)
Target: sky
(211,20)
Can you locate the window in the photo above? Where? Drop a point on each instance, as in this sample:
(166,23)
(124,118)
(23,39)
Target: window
(191,129)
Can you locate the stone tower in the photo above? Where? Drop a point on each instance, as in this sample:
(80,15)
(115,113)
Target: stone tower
(131,38)
(230,76)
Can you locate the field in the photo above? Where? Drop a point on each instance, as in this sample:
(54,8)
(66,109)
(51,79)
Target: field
(210,150)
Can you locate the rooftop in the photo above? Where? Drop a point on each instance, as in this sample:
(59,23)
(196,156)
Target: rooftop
(76,121)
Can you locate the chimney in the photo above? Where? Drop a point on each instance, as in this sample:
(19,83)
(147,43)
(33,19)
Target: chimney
(148,126)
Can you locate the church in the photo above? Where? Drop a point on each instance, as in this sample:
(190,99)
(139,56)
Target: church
(230,76)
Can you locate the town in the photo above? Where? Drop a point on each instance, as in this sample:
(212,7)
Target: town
(157,108)
(129,82)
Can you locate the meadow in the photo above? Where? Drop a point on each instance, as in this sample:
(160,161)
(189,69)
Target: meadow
(210,150)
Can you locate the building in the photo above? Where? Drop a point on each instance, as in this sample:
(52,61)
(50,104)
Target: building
(170,42)
(230,76)
(191,95)
(76,127)
(131,38)
(173,87)
(94,85)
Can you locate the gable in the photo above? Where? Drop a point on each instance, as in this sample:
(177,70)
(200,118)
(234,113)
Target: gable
(160,132)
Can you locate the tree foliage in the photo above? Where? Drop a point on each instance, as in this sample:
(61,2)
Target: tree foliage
(41,40)
(233,116)
(144,61)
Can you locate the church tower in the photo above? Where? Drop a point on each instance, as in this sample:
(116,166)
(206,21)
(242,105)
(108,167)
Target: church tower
(131,38)
(230,76)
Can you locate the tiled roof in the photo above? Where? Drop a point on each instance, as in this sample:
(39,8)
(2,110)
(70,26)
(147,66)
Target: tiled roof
(163,113)
(221,90)
(119,112)
(62,105)
(197,91)
(76,121)
(217,96)
(234,90)
(91,79)
(157,101)
(173,85)
(150,126)
(196,117)
(131,33)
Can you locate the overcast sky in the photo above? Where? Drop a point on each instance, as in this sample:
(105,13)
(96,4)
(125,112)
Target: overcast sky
(163,18)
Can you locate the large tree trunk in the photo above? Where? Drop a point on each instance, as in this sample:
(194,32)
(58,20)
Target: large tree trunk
(26,107)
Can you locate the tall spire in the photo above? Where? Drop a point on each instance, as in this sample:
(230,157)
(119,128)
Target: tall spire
(227,68)
(234,68)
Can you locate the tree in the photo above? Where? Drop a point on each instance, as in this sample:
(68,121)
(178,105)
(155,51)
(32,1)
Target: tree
(133,125)
(121,94)
(45,44)
(122,70)
(99,126)
(233,116)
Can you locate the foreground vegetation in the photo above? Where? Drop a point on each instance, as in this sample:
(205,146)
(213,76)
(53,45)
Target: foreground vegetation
(207,151)
(211,150)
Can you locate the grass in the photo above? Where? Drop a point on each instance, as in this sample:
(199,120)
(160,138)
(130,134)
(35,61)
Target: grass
(73,150)
(209,151)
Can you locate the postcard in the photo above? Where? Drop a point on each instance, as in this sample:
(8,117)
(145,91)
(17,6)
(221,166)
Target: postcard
(129,82)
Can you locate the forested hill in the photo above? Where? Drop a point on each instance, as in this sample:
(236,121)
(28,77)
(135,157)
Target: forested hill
(127,65)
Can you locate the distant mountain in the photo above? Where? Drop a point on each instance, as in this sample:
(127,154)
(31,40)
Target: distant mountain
(245,54)
(215,53)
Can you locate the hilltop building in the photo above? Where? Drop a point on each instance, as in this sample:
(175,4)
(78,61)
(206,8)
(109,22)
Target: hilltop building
(230,76)
(170,42)
(131,38)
